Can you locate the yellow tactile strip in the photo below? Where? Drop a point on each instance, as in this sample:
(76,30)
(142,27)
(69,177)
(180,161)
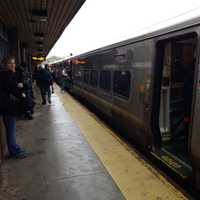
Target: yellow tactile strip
(135,178)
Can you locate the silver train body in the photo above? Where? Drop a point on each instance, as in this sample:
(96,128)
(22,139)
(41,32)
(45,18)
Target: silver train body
(142,85)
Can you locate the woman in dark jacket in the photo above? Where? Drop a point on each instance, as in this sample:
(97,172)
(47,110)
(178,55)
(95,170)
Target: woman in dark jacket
(10,94)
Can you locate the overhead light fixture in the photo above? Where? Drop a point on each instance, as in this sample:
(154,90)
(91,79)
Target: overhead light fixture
(39,15)
(43,20)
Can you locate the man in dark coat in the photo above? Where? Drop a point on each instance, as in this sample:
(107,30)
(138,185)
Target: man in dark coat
(45,81)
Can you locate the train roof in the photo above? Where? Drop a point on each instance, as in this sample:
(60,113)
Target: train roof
(178,26)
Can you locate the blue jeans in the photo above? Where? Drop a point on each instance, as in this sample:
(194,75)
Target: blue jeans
(10,125)
(63,83)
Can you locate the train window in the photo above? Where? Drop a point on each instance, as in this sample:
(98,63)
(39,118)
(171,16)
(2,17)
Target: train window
(122,82)
(86,76)
(94,78)
(105,80)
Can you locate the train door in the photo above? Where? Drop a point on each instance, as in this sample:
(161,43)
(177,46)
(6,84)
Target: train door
(174,117)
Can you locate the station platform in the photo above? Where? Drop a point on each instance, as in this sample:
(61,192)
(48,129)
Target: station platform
(75,156)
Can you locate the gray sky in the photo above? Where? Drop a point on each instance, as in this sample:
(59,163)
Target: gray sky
(102,22)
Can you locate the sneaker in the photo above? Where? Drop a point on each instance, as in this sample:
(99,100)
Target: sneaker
(43,103)
(21,155)
(49,102)
(28,116)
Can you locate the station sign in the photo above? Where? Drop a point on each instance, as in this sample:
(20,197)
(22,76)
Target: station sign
(38,58)
(78,62)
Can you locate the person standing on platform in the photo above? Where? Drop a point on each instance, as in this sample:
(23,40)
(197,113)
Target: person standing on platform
(45,81)
(24,77)
(10,96)
(63,79)
(52,75)
(36,75)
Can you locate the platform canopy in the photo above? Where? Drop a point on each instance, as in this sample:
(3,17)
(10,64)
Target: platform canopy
(39,22)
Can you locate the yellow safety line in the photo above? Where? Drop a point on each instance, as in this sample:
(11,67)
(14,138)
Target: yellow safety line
(136,179)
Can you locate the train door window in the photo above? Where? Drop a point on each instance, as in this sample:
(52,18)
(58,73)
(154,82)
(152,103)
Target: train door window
(122,81)
(77,74)
(176,94)
(94,78)
(105,80)
(86,76)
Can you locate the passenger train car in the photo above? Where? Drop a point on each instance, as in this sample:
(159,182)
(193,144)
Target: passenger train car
(150,86)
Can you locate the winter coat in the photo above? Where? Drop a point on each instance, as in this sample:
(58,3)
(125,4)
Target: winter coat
(45,79)
(10,94)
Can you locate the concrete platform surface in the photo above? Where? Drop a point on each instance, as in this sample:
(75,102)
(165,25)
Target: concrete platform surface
(60,166)
(74,156)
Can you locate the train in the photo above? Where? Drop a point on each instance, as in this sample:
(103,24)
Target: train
(150,86)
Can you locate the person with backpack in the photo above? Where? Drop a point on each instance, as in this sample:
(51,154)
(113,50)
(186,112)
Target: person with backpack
(10,95)
(64,78)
